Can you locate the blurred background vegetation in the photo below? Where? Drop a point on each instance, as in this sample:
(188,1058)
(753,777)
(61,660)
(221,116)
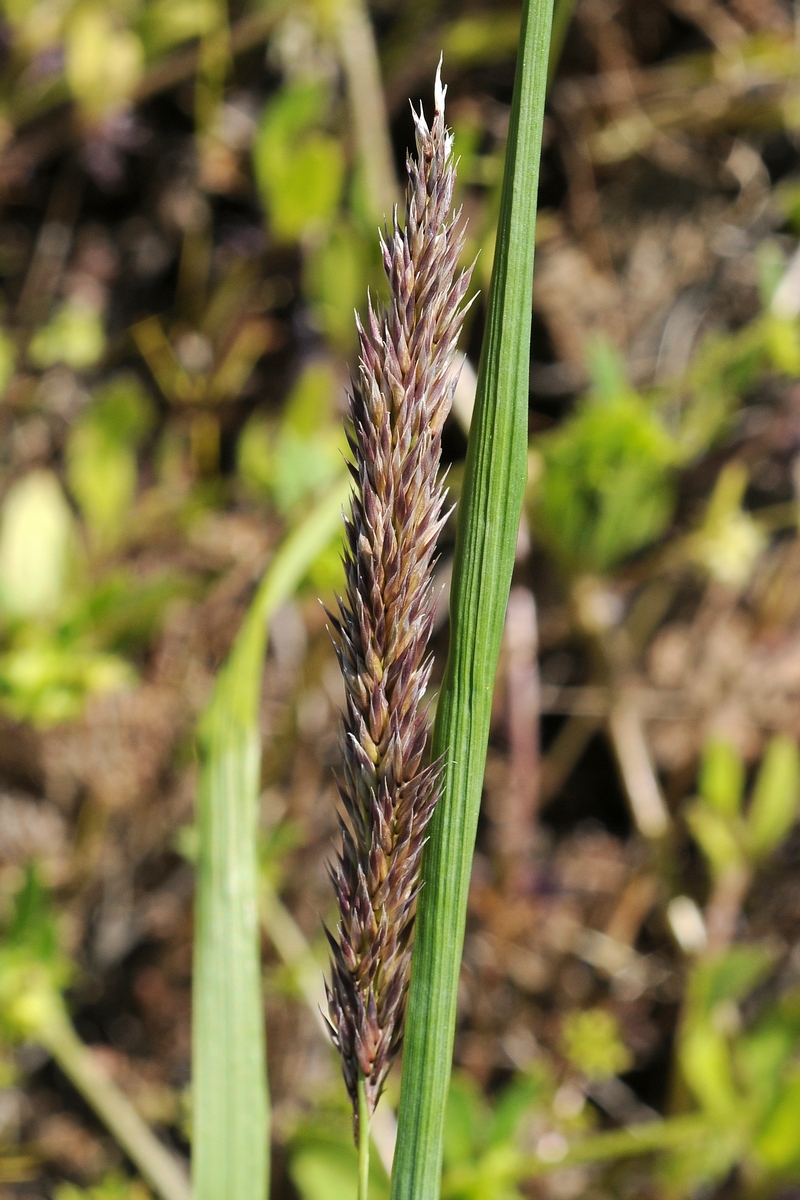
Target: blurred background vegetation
(190,200)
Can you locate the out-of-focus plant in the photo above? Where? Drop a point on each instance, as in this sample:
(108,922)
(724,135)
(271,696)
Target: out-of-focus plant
(101,456)
(44,677)
(483,1139)
(104,60)
(64,633)
(35,537)
(606,487)
(166,23)
(205,366)
(74,336)
(33,972)
(604,480)
(296,456)
(8,360)
(731,836)
(593,1045)
(230,1106)
(323,1162)
(113,1187)
(299,168)
(730,540)
(742,1073)
(302,174)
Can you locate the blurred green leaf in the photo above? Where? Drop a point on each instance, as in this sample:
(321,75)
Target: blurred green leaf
(123,611)
(47,683)
(104,60)
(773,808)
(122,409)
(705,1060)
(782,341)
(299,169)
(465,1120)
(32,968)
(300,457)
(336,277)
(74,336)
(230,1106)
(592,1043)
(606,488)
(166,23)
(763,1052)
(113,1187)
(101,473)
(481,38)
(721,371)
(607,373)
(710,1027)
(327,1169)
(101,458)
(34,544)
(8,360)
(771,264)
(716,837)
(721,780)
(524,1094)
(777,1145)
(729,541)
(731,976)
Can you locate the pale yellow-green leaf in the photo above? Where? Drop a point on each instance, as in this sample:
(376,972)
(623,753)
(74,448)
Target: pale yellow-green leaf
(336,277)
(104,60)
(721,780)
(34,545)
(706,1065)
(716,837)
(773,809)
(47,683)
(592,1043)
(73,336)
(8,360)
(101,473)
(299,168)
(778,1143)
(166,23)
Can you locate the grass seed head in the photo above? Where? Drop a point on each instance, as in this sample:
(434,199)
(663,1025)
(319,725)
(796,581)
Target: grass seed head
(399,401)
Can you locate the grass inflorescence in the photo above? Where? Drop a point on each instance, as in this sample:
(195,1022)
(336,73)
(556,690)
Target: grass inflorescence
(399,401)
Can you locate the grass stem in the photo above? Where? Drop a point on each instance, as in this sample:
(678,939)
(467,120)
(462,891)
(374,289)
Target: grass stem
(289,940)
(359,56)
(488,523)
(363,1140)
(157,1165)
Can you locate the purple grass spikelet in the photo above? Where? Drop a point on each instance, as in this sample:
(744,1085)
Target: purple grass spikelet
(399,401)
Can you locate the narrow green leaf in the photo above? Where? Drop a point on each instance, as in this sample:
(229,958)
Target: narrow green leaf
(231,1119)
(721,781)
(486,539)
(773,809)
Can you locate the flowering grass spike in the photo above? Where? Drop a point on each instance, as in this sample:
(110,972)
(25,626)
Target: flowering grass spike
(398,405)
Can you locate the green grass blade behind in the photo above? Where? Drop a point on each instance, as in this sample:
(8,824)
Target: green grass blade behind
(488,521)
(230,1106)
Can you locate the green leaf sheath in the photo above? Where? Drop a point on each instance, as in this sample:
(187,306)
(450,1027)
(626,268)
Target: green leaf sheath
(488,521)
(230,1116)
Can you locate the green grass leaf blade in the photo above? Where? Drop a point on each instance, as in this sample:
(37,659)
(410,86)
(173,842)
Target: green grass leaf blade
(487,531)
(231,1116)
